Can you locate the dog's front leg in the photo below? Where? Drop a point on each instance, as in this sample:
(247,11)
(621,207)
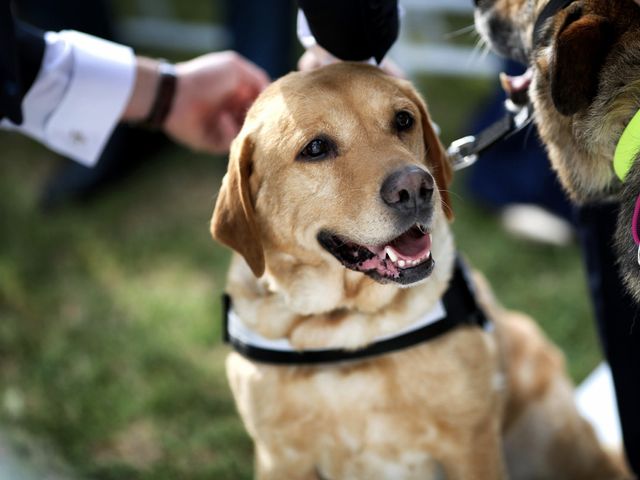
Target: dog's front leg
(477,457)
(289,465)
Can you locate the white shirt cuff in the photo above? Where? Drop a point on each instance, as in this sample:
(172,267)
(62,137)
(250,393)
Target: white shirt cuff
(304,32)
(99,89)
(78,97)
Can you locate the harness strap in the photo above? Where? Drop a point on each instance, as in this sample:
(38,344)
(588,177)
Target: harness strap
(459,307)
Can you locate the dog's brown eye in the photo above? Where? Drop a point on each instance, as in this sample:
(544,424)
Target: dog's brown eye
(315,148)
(404,121)
(318,149)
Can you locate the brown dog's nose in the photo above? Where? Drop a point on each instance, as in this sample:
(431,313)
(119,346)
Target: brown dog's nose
(408,190)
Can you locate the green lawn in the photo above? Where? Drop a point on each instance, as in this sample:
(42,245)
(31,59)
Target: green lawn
(109,314)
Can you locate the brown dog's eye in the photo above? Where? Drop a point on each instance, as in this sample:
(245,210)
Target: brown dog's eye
(404,121)
(318,149)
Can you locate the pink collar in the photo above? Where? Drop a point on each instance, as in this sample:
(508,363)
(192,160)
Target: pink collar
(635,222)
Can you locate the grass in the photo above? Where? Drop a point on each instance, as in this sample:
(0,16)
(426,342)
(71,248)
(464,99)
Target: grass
(109,314)
(109,335)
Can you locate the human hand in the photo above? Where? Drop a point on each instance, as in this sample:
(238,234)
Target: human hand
(316,57)
(213,94)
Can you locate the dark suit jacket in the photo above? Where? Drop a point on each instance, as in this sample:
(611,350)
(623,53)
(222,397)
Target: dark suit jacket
(353,29)
(21,51)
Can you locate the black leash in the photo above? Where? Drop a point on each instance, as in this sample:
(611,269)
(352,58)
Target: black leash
(459,304)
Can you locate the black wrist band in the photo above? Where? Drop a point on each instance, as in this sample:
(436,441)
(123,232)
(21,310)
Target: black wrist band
(165,93)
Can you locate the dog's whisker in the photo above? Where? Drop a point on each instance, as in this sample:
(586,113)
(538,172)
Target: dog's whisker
(461,31)
(446,207)
(485,53)
(478,45)
(444,203)
(473,56)
(451,193)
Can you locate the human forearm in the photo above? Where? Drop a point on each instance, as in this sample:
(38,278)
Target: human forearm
(144,90)
(86,86)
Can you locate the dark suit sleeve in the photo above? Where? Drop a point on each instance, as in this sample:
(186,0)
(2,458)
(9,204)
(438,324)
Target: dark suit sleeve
(353,29)
(20,59)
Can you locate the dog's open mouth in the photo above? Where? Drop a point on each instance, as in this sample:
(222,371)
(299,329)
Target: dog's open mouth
(517,87)
(405,259)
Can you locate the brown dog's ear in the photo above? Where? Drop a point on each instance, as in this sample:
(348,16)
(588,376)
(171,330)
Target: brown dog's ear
(581,45)
(437,158)
(234,223)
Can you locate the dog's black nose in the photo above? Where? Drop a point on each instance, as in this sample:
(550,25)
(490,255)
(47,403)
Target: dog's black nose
(408,190)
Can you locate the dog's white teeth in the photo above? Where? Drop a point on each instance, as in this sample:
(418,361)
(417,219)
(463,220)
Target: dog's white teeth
(422,228)
(402,263)
(391,254)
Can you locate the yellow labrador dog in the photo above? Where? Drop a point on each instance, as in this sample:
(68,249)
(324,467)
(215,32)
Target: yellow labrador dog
(584,83)
(360,350)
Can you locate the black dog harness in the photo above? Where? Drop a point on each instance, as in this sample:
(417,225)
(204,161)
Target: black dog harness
(457,307)
(464,151)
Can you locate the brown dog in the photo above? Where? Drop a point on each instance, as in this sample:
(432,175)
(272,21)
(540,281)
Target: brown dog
(336,204)
(585,88)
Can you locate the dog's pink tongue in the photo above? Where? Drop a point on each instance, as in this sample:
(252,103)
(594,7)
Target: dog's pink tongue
(412,245)
(410,248)
(516,87)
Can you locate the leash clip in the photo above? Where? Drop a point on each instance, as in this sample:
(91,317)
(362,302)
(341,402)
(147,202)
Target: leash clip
(461,154)
(464,151)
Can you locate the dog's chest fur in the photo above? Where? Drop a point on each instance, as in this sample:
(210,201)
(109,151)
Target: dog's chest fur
(389,417)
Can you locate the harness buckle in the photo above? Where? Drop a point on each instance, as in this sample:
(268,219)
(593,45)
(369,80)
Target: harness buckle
(461,153)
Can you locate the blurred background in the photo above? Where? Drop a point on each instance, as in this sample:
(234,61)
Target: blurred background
(111,363)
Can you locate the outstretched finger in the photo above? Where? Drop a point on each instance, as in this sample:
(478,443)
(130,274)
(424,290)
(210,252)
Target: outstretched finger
(221,133)
(252,75)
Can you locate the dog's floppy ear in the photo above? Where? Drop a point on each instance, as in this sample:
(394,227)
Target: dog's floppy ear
(437,158)
(581,45)
(234,223)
